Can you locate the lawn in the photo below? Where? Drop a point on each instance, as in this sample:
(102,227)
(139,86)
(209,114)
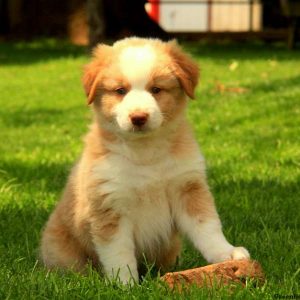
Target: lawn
(246,119)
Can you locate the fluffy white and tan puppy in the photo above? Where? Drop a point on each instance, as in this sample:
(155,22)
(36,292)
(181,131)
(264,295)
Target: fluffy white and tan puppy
(141,178)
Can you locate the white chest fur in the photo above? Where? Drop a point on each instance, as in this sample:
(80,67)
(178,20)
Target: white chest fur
(146,194)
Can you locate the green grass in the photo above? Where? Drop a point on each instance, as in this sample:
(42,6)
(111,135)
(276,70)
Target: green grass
(251,141)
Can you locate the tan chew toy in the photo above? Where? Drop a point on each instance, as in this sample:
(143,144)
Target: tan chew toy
(224,273)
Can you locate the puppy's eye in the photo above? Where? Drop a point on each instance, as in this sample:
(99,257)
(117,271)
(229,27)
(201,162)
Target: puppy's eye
(155,90)
(121,91)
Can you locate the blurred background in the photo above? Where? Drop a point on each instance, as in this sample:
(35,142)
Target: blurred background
(87,22)
(246,119)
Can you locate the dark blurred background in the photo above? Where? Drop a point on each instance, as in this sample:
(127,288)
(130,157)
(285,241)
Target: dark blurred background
(92,21)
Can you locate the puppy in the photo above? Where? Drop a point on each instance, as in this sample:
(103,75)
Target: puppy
(141,178)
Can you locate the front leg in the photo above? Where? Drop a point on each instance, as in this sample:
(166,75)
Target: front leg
(197,218)
(114,243)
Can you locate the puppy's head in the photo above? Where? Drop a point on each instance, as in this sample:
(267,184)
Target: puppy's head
(139,85)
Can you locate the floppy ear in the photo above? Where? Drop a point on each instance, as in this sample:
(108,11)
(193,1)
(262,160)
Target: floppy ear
(92,71)
(185,69)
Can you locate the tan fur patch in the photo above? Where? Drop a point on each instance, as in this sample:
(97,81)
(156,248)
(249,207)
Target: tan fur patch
(65,251)
(171,99)
(105,223)
(95,148)
(185,69)
(198,200)
(102,56)
(183,141)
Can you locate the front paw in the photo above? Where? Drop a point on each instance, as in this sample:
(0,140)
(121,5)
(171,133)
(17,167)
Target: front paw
(128,277)
(233,253)
(239,253)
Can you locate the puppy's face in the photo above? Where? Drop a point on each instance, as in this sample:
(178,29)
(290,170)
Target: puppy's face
(139,85)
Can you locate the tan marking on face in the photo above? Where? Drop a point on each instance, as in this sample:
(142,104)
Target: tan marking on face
(184,67)
(171,99)
(164,78)
(102,57)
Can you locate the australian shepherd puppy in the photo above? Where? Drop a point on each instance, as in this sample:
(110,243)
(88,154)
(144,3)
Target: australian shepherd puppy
(140,181)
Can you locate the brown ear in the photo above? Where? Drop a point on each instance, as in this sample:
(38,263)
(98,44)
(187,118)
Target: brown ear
(92,71)
(186,70)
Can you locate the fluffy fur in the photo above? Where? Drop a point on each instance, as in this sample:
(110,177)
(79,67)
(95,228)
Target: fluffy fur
(141,178)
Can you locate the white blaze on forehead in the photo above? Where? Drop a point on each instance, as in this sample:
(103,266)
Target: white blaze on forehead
(137,63)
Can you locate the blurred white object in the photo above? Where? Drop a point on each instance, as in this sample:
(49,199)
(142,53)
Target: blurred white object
(203,16)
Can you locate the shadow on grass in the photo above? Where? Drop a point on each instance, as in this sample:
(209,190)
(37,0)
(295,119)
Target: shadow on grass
(274,85)
(249,201)
(22,219)
(20,232)
(241,51)
(26,117)
(23,53)
(46,177)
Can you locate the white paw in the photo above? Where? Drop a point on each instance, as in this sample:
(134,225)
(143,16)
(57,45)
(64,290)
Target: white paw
(231,253)
(239,253)
(126,277)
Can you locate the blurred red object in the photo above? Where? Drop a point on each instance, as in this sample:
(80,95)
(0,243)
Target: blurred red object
(153,9)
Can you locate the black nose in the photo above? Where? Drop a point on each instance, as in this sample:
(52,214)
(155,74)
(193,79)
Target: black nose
(139,118)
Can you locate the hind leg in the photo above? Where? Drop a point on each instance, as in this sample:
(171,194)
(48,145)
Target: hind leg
(59,249)
(169,255)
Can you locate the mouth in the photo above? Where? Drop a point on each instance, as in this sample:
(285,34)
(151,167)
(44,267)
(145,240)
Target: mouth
(140,129)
